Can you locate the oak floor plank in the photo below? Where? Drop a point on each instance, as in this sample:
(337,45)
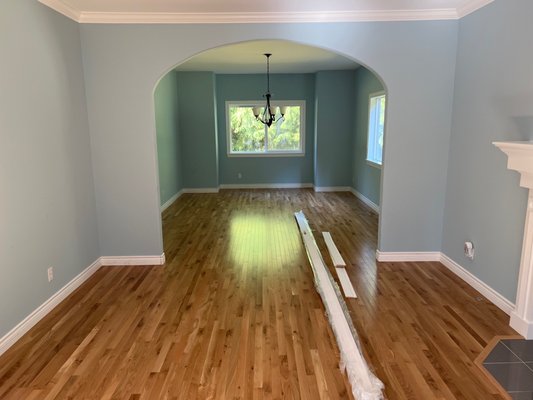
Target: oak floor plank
(234,314)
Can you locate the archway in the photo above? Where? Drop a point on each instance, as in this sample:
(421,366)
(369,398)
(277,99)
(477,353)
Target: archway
(323,76)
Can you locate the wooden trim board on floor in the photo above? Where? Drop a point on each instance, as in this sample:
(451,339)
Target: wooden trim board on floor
(346,284)
(336,257)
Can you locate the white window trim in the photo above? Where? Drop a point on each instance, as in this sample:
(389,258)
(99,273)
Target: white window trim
(374,164)
(261,103)
(375,94)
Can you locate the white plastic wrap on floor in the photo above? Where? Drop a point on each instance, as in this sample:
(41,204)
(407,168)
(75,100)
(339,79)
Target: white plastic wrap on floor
(365,385)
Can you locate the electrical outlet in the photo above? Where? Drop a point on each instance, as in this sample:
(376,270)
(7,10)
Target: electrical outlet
(50,274)
(469,250)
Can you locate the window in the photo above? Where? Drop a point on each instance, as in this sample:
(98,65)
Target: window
(376,124)
(248,137)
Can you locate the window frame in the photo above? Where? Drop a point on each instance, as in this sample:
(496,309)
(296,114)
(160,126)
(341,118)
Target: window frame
(266,153)
(371,96)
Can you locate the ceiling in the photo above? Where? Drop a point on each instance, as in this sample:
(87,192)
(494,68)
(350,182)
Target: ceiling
(248,58)
(235,11)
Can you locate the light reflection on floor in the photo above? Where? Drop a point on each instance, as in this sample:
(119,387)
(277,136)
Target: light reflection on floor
(260,241)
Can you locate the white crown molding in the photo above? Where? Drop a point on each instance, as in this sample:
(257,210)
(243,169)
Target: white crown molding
(470,6)
(266,17)
(365,200)
(63,8)
(267,186)
(40,312)
(132,260)
(94,17)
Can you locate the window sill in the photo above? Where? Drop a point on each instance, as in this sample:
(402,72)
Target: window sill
(373,164)
(302,154)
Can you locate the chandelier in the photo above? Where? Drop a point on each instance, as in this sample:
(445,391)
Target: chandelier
(268,116)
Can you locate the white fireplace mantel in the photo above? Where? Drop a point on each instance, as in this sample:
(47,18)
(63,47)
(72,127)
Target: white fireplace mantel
(520,158)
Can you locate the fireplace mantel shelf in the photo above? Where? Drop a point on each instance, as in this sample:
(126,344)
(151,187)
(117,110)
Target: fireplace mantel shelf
(520,158)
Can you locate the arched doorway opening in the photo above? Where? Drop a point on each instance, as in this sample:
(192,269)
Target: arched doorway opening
(338,111)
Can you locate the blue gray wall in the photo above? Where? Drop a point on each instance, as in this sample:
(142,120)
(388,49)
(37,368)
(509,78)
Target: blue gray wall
(416,60)
(47,200)
(366,178)
(266,170)
(334,104)
(169,155)
(493,102)
(198,129)
(46,180)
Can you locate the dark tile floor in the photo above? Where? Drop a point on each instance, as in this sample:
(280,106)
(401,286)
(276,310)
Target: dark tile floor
(511,364)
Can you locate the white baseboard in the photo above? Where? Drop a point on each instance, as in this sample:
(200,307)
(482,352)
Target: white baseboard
(171,201)
(403,256)
(200,190)
(365,200)
(501,302)
(266,186)
(27,323)
(523,327)
(332,188)
(133,260)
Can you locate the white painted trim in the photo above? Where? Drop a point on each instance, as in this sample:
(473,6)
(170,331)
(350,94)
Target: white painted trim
(471,6)
(520,159)
(31,320)
(133,260)
(171,201)
(522,326)
(346,284)
(405,256)
(90,17)
(63,8)
(334,253)
(332,189)
(200,190)
(492,295)
(373,164)
(501,302)
(267,17)
(267,186)
(261,103)
(365,200)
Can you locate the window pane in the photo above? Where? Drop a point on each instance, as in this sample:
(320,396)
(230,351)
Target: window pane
(380,125)
(247,135)
(284,134)
(376,124)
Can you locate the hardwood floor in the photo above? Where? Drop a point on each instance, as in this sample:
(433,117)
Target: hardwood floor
(234,314)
